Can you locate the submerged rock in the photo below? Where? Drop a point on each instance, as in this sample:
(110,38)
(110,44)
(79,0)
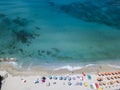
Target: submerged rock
(2,15)
(23,36)
(20,21)
(102,11)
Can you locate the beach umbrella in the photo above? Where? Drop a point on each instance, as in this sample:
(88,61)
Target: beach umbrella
(100,88)
(81,83)
(73,78)
(86,84)
(24,81)
(109,73)
(102,74)
(55,77)
(118,76)
(111,82)
(60,78)
(96,85)
(106,73)
(100,83)
(99,79)
(37,81)
(115,77)
(83,74)
(81,78)
(118,81)
(69,83)
(116,73)
(91,86)
(64,78)
(99,74)
(104,83)
(89,77)
(112,77)
(108,78)
(69,78)
(113,73)
(50,77)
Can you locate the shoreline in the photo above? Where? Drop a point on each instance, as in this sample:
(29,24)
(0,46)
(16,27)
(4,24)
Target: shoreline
(26,79)
(92,68)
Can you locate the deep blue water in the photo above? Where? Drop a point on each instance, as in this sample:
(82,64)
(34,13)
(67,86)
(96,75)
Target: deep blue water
(60,32)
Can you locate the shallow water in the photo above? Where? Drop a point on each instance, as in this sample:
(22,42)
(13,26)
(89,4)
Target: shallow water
(50,32)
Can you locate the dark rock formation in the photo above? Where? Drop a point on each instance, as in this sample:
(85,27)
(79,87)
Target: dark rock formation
(2,15)
(20,21)
(1,78)
(23,36)
(105,12)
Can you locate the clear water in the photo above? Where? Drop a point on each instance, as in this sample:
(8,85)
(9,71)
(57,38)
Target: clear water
(60,32)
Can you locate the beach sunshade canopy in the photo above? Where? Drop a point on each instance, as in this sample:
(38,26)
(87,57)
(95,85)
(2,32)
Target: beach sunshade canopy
(50,77)
(100,88)
(60,78)
(96,85)
(106,73)
(89,77)
(91,86)
(116,73)
(99,79)
(64,78)
(86,84)
(115,77)
(55,77)
(100,83)
(113,73)
(81,83)
(69,83)
(37,81)
(83,74)
(69,78)
(111,82)
(112,77)
(81,78)
(73,78)
(99,74)
(104,83)
(108,78)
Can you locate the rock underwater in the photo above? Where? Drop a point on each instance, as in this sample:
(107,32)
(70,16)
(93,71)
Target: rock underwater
(105,12)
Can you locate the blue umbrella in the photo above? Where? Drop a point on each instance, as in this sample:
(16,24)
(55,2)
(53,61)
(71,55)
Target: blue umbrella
(55,77)
(69,83)
(64,78)
(60,78)
(69,78)
(89,77)
(50,77)
(80,83)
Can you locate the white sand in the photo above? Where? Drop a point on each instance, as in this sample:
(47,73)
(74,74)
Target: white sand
(16,81)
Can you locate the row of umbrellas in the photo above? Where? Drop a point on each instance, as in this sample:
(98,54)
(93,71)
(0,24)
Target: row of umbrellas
(65,78)
(108,78)
(109,83)
(109,73)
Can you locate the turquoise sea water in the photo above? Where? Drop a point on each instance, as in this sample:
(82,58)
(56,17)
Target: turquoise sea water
(60,32)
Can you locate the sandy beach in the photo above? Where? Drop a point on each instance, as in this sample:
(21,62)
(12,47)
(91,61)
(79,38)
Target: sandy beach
(45,79)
